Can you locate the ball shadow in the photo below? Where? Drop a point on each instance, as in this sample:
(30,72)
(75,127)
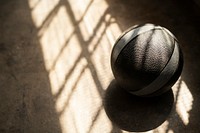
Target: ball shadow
(133,113)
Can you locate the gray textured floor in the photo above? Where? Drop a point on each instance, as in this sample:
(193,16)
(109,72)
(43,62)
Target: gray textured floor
(54,64)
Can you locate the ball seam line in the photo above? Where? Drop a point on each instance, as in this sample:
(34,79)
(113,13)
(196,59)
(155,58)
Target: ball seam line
(164,76)
(127,37)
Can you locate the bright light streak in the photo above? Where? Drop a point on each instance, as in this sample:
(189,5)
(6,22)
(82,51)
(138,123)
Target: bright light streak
(78,101)
(184,100)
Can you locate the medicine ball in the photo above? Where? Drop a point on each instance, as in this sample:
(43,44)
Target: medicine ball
(146,60)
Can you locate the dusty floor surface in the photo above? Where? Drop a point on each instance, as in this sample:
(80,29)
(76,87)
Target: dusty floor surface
(55,67)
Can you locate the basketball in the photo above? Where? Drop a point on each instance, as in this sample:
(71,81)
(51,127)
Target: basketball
(146,60)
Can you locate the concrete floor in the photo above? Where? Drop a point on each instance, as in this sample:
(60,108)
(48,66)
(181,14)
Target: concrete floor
(55,74)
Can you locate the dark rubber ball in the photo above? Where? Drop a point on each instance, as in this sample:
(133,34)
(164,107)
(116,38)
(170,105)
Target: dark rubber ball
(146,60)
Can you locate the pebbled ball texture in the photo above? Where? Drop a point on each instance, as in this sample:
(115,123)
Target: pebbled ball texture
(143,58)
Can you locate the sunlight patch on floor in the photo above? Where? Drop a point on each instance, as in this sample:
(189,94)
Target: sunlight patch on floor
(41,10)
(76,38)
(184,100)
